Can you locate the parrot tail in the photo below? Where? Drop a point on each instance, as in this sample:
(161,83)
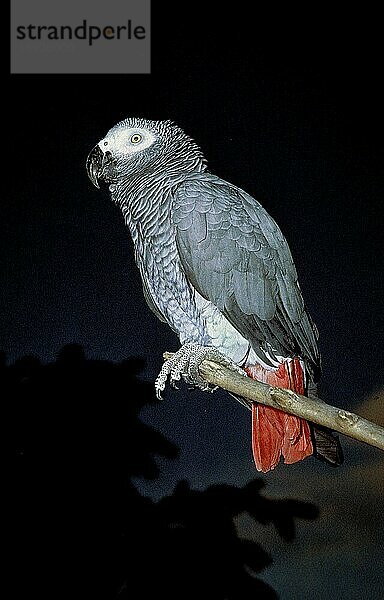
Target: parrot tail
(275,433)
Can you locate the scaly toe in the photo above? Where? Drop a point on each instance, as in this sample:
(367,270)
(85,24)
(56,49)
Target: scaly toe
(185,363)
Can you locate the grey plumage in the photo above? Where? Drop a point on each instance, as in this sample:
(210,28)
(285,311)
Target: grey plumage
(194,231)
(214,265)
(235,255)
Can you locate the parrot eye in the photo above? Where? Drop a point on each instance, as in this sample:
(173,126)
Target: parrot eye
(136,138)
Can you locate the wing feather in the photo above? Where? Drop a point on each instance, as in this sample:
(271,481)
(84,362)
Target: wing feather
(235,255)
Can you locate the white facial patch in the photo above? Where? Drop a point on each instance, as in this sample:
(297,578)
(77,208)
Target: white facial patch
(121,141)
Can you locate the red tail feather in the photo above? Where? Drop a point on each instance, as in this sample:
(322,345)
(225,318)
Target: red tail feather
(275,433)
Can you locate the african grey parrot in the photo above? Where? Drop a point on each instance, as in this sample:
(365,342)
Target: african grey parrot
(215,267)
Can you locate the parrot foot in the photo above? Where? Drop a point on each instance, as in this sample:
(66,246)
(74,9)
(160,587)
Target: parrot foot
(184,364)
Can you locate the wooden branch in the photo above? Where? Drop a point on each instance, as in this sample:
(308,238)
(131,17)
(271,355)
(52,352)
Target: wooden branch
(315,411)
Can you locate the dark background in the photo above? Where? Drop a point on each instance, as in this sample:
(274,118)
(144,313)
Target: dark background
(290,109)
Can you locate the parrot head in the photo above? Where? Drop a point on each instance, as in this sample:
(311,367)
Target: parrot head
(139,146)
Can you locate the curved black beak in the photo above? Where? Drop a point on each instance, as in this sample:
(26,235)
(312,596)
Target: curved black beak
(97,160)
(94,165)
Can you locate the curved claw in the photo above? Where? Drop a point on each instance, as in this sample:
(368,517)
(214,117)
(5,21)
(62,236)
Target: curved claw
(158,395)
(184,364)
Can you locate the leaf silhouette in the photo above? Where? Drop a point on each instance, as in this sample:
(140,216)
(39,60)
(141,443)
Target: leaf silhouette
(80,526)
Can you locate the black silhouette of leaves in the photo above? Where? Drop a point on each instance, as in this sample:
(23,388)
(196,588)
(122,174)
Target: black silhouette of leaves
(82,529)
